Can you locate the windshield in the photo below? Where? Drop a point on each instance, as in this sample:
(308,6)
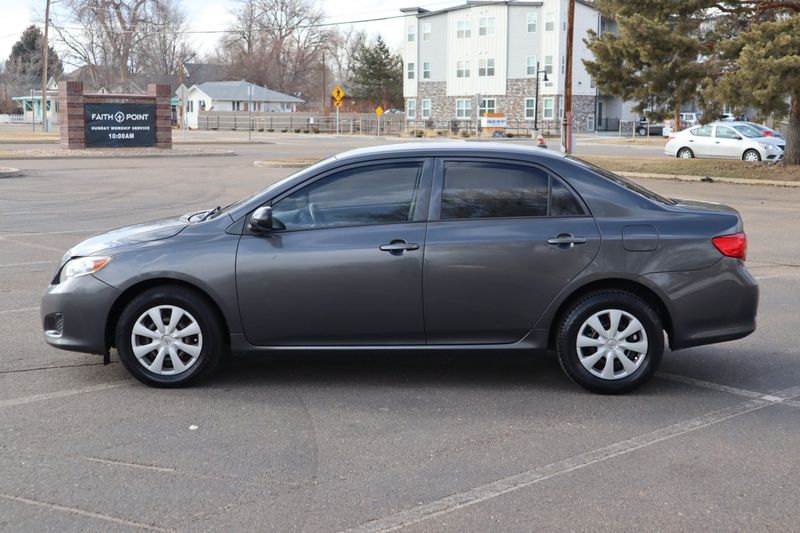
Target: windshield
(748,131)
(628,184)
(310,168)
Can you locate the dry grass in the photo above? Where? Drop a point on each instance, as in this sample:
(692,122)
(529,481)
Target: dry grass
(720,168)
(627,140)
(27,136)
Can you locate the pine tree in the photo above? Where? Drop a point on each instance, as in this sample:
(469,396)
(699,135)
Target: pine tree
(760,67)
(24,63)
(378,75)
(655,58)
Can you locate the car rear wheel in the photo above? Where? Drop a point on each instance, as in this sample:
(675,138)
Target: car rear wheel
(169,337)
(610,342)
(685,153)
(751,155)
(642,131)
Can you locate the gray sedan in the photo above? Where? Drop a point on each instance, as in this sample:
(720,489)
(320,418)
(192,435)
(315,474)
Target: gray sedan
(432,246)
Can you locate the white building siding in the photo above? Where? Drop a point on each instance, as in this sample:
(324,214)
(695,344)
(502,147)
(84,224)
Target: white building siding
(476,47)
(410,56)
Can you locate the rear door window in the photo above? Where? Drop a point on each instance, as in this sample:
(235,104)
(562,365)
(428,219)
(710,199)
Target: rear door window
(473,189)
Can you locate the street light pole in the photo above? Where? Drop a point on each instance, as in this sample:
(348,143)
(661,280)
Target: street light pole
(536,103)
(44,65)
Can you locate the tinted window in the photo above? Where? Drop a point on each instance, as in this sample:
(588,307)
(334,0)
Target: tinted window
(562,202)
(485,190)
(378,194)
(726,133)
(703,131)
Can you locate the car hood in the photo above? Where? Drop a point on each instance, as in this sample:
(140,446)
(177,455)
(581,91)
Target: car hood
(138,233)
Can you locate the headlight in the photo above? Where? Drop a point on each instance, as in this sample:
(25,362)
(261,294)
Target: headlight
(82,266)
(766,146)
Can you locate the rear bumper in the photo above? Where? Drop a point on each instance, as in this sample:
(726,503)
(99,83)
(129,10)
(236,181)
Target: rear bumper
(74,314)
(713,305)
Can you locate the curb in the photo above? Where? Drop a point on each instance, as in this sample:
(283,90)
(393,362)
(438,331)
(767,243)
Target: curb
(117,156)
(9,172)
(684,177)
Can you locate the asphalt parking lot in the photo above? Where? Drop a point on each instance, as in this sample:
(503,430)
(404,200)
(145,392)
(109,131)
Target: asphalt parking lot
(379,442)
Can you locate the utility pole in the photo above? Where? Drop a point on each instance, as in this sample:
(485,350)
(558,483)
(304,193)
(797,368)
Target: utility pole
(324,92)
(567,125)
(44,65)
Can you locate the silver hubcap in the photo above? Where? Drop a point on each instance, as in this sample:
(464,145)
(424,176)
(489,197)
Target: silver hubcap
(685,154)
(611,344)
(166,340)
(751,156)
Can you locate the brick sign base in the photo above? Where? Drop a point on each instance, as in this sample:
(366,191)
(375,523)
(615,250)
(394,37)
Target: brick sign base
(72,99)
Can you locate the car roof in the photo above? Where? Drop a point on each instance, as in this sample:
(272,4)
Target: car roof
(435,148)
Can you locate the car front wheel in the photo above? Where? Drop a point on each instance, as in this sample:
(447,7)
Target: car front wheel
(169,337)
(610,342)
(752,155)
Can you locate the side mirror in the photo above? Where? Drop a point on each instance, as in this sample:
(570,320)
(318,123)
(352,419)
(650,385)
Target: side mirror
(261,220)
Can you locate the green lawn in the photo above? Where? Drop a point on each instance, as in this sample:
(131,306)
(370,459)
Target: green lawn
(697,167)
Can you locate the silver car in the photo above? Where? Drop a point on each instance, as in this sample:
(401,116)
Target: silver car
(725,140)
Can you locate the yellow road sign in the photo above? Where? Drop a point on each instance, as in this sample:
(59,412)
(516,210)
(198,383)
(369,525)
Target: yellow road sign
(337,103)
(337,93)
(379,111)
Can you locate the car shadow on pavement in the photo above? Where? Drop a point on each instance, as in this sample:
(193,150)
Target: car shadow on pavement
(391,368)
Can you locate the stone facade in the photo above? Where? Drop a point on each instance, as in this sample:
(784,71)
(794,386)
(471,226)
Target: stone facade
(71,100)
(443,108)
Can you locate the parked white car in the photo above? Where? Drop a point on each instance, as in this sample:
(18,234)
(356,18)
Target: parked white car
(725,140)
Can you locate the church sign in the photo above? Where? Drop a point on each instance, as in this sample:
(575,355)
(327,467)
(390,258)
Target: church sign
(117,125)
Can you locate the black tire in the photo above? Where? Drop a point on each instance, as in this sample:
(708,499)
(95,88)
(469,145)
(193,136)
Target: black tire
(751,151)
(213,347)
(571,325)
(642,131)
(687,151)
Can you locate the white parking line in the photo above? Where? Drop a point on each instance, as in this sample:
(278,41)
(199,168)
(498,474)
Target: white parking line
(75,510)
(62,394)
(29,263)
(710,385)
(536,475)
(20,310)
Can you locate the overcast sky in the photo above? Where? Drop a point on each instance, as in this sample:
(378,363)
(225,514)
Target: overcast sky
(209,15)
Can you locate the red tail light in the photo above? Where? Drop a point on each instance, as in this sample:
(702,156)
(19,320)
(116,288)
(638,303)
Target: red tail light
(670,138)
(734,245)
(767,134)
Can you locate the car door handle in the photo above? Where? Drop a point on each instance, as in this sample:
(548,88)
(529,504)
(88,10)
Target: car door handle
(399,246)
(566,238)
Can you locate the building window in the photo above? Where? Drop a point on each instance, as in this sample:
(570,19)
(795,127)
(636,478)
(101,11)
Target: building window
(202,106)
(530,63)
(411,69)
(547,108)
(533,22)
(549,21)
(560,107)
(236,106)
(411,109)
(463,29)
(189,106)
(426,108)
(563,64)
(411,32)
(426,70)
(488,105)
(463,108)
(548,65)
(427,30)
(530,108)
(462,69)
(486,26)
(486,67)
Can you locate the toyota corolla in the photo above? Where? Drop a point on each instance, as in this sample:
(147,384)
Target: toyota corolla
(432,246)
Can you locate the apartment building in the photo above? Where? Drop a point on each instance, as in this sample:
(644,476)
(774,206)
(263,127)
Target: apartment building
(481,57)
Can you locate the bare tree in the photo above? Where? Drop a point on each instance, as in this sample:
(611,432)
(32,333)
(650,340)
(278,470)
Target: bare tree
(117,40)
(345,46)
(278,43)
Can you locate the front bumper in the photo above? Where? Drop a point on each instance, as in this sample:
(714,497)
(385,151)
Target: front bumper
(74,314)
(712,305)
